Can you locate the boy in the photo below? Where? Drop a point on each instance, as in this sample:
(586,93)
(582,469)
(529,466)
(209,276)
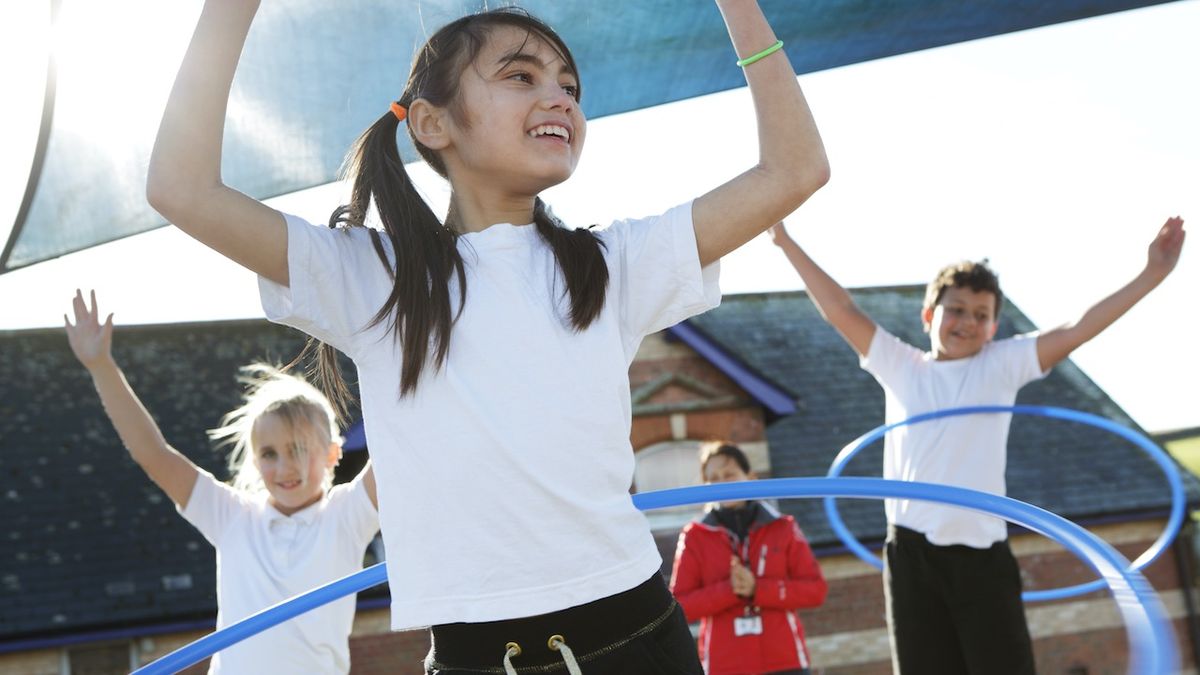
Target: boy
(951,583)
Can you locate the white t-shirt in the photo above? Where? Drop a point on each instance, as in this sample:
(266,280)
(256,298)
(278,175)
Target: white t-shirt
(966,451)
(504,480)
(264,557)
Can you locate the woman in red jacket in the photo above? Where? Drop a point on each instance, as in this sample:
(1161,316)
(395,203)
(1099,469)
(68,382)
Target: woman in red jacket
(743,570)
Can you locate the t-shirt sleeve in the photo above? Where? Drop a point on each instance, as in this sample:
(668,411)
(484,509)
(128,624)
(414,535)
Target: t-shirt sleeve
(888,357)
(336,283)
(656,273)
(1016,359)
(211,507)
(356,515)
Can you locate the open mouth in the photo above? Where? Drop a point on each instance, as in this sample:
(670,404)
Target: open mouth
(552,131)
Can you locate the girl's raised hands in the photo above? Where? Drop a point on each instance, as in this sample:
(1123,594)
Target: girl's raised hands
(1167,245)
(90,340)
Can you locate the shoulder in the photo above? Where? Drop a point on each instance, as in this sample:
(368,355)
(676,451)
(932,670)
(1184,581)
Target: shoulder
(625,230)
(1010,347)
(341,240)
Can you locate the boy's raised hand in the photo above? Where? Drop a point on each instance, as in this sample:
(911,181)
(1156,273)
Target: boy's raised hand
(779,235)
(90,340)
(1164,250)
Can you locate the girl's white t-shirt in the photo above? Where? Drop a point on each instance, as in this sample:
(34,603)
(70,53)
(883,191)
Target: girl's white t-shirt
(265,557)
(504,480)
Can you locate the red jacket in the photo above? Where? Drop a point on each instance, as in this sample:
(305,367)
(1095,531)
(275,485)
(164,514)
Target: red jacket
(787,578)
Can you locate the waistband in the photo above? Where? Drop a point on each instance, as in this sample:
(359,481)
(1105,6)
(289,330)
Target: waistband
(901,534)
(591,630)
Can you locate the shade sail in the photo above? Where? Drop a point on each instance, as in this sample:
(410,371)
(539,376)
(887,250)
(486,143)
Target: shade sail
(317,72)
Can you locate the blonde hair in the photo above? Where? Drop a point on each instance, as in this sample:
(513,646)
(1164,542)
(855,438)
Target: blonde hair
(301,406)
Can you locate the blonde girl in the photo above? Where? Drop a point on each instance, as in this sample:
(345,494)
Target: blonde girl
(280,529)
(493,345)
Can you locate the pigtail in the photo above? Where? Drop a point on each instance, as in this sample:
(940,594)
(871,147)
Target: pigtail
(418,310)
(580,262)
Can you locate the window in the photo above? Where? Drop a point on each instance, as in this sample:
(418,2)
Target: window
(669,465)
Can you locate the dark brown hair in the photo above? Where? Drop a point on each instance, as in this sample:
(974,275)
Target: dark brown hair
(418,310)
(722,449)
(976,276)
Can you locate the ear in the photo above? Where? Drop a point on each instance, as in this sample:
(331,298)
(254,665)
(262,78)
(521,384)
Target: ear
(995,327)
(334,456)
(927,318)
(430,124)
(753,475)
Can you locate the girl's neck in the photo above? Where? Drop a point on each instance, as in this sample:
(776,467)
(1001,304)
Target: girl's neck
(474,213)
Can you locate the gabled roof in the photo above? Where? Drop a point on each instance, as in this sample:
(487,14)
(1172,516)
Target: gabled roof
(1074,470)
(88,541)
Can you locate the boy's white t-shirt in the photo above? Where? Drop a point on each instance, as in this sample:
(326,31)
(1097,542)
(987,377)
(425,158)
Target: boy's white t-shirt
(504,480)
(264,557)
(966,451)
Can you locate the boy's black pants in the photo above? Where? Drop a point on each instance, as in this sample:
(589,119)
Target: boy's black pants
(954,609)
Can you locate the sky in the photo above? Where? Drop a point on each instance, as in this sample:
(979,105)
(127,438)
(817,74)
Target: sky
(1056,153)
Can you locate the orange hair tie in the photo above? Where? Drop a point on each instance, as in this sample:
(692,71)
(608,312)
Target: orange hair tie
(399,111)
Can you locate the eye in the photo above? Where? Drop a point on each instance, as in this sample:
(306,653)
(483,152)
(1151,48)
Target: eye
(572,90)
(521,76)
(268,454)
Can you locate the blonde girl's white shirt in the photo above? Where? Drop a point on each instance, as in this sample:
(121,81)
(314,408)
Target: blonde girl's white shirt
(968,451)
(503,481)
(264,557)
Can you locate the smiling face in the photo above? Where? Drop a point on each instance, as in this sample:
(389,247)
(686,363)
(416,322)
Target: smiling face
(292,461)
(516,125)
(961,323)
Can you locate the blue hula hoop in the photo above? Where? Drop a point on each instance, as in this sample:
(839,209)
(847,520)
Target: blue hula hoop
(1150,635)
(1174,521)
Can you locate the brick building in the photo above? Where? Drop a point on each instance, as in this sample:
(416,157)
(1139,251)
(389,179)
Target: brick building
(98,574)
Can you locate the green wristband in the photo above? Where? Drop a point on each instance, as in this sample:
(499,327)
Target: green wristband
(761,55)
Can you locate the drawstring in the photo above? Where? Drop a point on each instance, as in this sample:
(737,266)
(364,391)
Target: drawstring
(558,644)
(511,649)
(555,643)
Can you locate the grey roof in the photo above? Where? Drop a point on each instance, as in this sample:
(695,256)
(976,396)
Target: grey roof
(1074,470)
(88,541)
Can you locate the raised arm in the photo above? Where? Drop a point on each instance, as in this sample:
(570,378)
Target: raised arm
(832,301)
(1056,344)
(791,158)
(91,341)
(184,182)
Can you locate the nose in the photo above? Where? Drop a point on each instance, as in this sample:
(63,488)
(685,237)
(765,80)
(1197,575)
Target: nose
(556,98)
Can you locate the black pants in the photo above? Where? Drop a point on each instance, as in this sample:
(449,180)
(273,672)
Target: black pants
(641,631)
(954,609)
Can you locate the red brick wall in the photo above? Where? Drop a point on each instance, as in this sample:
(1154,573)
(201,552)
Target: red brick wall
(389,653)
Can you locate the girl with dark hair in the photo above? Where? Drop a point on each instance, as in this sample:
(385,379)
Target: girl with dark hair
(493,345)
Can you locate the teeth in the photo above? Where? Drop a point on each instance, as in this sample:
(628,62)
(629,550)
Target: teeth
(550,130)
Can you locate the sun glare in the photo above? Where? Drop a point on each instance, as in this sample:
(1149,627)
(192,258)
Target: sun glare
(116,62)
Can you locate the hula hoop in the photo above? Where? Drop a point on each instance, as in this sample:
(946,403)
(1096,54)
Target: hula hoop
(1156,549)
(1151,638)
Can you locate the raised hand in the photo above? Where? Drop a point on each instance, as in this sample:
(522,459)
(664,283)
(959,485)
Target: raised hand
(90,340)
(779,235)
(1163,252)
